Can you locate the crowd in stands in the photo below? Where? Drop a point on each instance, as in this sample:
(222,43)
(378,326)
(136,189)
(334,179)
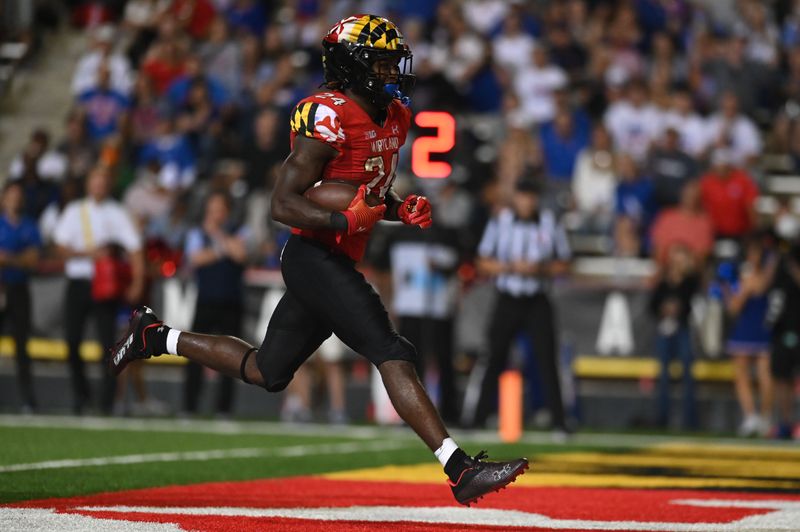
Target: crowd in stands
(645,122)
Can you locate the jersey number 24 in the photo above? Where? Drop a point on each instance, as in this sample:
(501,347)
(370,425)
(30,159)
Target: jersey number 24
(380,183)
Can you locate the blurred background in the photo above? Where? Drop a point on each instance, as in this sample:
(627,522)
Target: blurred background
(662,136)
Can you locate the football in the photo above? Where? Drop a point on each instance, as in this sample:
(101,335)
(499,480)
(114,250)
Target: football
(337,195)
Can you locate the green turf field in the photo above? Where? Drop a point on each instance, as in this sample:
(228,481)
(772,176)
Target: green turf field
(121,475)
(270,450)
(56,457)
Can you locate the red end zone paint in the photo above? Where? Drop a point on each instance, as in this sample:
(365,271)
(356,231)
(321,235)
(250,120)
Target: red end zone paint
(654,506)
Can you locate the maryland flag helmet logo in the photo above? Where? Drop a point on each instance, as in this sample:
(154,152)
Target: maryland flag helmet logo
(367,30)
(354,44)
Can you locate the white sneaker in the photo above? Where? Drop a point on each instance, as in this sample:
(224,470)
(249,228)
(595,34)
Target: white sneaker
(750,426)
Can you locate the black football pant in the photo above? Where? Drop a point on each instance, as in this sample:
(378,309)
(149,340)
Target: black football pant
(535,316)
(78,306)
(434,338)
(212,318)
(17,313)
(325,294)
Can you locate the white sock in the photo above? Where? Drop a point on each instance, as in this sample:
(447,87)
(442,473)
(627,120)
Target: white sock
(447,449)
(172,341)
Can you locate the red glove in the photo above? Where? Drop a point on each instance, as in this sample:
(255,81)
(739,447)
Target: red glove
(415,210)
(360,216)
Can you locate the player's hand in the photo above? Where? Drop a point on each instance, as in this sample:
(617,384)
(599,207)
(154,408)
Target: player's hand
(415,210)
(360,216)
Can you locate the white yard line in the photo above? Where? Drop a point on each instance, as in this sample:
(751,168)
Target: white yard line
(359,432)
(780,516)
(215,454)
(205,427)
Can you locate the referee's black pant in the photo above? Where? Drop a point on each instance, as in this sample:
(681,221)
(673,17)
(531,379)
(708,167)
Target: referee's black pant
(78,305)
(17,313)
(212,318)
(535,316)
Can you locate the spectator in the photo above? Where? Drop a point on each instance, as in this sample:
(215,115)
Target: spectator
(19,252)
(665,63)
(728,195)
(633,207)
(561,142)
(735,132)
(266,149)
(670,306)
(686,225)
(633,122)
(670,168)
(104,109)
(519,153)
(194,16)
(566,52)
(172,226)
(76,146)
(146,199)
(594,183)
(731,71)
(91,230)
(173,155)
(51,165)
(690,126)
(163,64)
(102,53)
(217,253)
(485,15)
(70,190)
(761,34)
(221,57)
(522,249)
(179,90)
(535,85)
(145,111)
(784,317)
(513,48)
(247,16)
(748,340)
(140,21)
(461,56)
(622,36)
(199,120)
(38,192)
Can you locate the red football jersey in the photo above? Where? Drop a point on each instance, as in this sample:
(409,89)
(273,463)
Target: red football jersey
(368,152)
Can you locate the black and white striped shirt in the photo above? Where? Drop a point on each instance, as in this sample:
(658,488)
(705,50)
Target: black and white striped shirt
(510,239)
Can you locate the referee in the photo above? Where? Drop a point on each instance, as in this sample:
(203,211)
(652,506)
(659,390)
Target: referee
(522,248)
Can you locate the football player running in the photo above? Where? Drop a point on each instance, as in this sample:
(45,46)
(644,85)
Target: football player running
(351,133)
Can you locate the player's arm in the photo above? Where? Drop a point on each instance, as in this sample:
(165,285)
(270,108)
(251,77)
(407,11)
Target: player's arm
(393,202)
(298,173)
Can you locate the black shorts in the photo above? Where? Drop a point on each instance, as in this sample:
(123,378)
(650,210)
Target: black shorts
(324,294)
(785,357)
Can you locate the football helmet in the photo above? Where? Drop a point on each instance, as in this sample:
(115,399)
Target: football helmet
(351,48)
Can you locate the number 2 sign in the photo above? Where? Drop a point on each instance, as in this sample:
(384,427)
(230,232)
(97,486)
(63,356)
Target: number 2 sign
(442,142)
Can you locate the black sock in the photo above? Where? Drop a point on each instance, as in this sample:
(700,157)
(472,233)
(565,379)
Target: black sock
(156,340)
(456,464)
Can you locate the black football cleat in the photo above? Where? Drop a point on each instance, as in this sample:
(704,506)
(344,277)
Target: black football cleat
(133,345)
(481,478)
